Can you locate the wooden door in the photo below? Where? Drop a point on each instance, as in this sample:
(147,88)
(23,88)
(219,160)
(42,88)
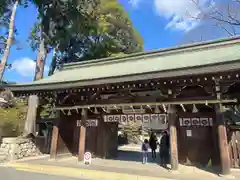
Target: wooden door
(111,140)
(195,142)
(91,140)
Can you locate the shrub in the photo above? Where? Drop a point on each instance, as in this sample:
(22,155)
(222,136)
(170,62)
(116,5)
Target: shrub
(12,120)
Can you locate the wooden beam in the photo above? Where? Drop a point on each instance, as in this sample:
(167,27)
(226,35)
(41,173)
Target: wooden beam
(101,136)
(172,117)
(222,141)
(82,135)
(150,104)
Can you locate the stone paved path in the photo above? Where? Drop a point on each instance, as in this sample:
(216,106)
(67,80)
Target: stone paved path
(129,163)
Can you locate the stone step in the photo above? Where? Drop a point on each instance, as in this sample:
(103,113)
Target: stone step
(2,160)
(3,154)
(3,150)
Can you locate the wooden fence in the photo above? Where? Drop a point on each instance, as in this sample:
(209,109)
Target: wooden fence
(234,147)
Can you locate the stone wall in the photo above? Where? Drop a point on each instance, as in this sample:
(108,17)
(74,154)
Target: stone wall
(18,148)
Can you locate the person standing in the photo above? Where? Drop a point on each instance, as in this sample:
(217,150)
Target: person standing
(164,149)
(153,144)
(145,147)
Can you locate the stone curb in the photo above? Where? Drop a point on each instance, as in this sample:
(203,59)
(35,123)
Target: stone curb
(79,173)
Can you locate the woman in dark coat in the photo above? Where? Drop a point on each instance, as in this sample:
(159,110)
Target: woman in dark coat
(164,149)
(153,144)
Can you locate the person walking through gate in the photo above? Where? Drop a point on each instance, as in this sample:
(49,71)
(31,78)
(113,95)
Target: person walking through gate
(153,144)
(164,149)
(145,147)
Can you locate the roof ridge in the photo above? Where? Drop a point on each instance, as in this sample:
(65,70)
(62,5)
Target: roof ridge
(163,51)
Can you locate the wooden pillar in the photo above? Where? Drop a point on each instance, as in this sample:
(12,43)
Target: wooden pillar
(222,141)
(55,136)
(216,154)
(105,140)
(101,139)
(172,117)
(100,136)
(82,135)
(222,133)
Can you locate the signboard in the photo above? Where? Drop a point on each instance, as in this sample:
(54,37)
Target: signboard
(189,133)
(142,118)
(195,121)
(87,158)
(89,123)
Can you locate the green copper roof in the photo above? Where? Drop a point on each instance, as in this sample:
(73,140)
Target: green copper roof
(163,61)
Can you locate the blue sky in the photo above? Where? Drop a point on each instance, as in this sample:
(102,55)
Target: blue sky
(161,24)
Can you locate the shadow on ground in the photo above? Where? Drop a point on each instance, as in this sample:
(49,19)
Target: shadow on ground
(130,162)
(134,156)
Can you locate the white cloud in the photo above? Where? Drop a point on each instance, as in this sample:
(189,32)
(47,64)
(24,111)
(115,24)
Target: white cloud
(25,67)
(180,13)
(135,3)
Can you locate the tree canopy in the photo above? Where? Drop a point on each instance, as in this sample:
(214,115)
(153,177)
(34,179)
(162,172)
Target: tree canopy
(74,30)
(84,29)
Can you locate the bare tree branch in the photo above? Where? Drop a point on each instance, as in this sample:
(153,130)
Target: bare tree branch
(225,29)
(225,16)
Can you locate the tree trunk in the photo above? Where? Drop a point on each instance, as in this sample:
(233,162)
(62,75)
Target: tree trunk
(53,63)
(9,40)
(41,58)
